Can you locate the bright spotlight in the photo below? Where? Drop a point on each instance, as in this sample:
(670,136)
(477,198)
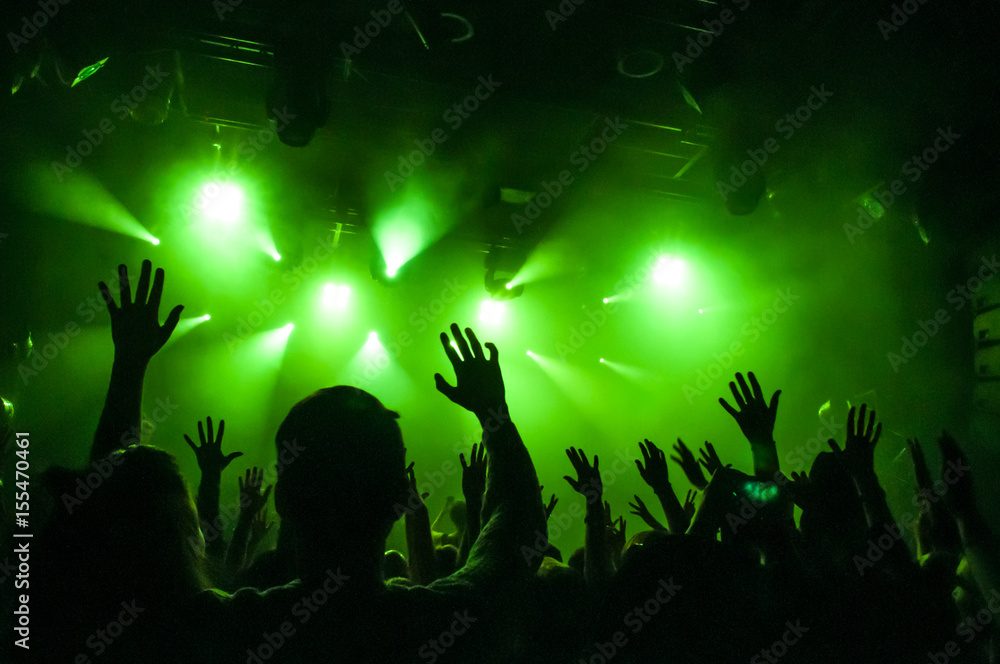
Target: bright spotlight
(510,285)
(391,271)
(276,256)
(373,336)
(155,241)
(602,360)
(288,328)
(222,202)
(529,354)
(669,271)
(206,317)
(491,311)
(605,300)
(335,295)
(701,311)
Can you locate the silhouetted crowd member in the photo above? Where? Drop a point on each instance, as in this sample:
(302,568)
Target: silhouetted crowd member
(139,571)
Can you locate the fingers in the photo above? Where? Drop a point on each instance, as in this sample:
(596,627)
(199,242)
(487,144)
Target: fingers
(461,458)
(737,397)
(494,353)
(232,457)
(757,392)
(850,422)
(191,443)
(745,390)
(834,447)
(124,294)
(222,430)
(442,385)
(108,299)
(450,351)
(157,292)
(773,406)
(729,409)
(463,345)
(211,435)
(572,483)
(201,435)
(170,324)
(477,349)
(142,289)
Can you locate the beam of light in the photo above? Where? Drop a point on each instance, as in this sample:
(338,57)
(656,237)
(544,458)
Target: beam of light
(374,367)
(265,241)
(670,271)
(221,202)
(185,325)
(627,370)
(530,354)
(403,231)
(491,312)
(550,259)
(77,197)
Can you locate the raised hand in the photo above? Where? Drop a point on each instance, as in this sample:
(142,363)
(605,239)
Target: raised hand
(135,324)
(754,415)
(588,477)
(616,532)
(259,528)
(640,510)
(252,499)
(858,455)
(551,506)
(209,453)
(479,383)
(474,474)
(801,489)
(710,459)
(687,462)
(689,507)
(416,500)
(655,472)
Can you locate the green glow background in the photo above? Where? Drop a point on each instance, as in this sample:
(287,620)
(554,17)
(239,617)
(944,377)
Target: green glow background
(855,302)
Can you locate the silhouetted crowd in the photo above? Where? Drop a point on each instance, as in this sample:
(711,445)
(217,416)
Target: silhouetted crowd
(131,568)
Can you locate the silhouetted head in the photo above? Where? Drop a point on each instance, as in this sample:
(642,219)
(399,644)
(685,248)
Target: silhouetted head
(833,519)
(447,559)
(576,559)
(395,566)
(458,514)
(342,466)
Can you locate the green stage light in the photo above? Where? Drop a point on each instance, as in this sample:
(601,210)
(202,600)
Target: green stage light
(336,296)
(392,270)
(276,256)
(155,241)
(224,203)
(602,360)
(529,353)
(491,311)
(670,271)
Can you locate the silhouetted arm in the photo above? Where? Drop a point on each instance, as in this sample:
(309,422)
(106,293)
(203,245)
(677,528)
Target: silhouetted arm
(419,541)
(137,336)
(211,463)
(756,417)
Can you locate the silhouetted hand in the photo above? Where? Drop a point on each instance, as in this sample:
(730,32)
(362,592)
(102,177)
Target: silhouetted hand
(689,507)
(479,383)
(754,415)
(858,455)
(474,474)
(416,498)
(710,459)
(655,473)
(640,510)
(135,324)
(588,482)
(616,530)
(209,454)
(259,528)
(551,506)
(801,489)
(252,500)
(689,465)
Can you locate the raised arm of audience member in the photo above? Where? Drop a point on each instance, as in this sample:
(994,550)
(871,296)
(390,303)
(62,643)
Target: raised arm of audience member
(137,335)
(598,568)
(473,486)
(211,463)
(756,417)
(513,516)
(419,540)
(252,501)
(656,475)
